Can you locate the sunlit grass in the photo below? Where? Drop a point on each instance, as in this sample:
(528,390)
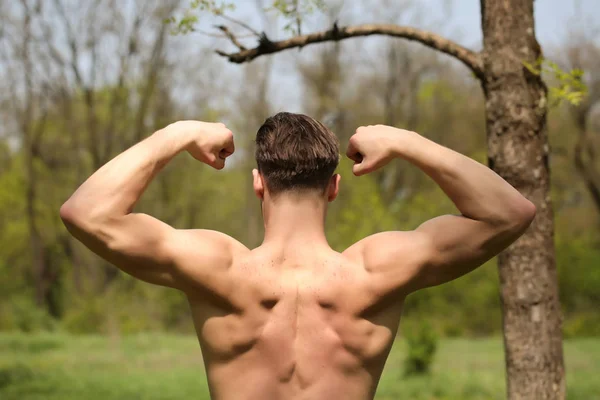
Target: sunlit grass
(155,366)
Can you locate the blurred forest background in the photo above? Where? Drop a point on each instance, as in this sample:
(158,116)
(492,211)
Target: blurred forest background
(80,81)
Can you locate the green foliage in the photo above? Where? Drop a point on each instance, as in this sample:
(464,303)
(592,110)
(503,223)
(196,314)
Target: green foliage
(579,284)
(212,6)
(85,316)
(187,22)
(435,90)
(189,195)
(582,324)
(422,344)
(347,223)
(25,316)
(184,24)
(14,375)
(569,87)
(468,306)
(577,279)
(295,10)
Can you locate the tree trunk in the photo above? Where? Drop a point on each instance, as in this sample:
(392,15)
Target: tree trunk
(584,155)
(516,107)
(38,258)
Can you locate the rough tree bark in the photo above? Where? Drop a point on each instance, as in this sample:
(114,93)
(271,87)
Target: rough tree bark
(516,108)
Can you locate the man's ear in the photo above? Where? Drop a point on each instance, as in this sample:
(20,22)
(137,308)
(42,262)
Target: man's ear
(258,184)
(334,187)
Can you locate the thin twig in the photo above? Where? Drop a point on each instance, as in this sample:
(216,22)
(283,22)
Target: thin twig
(231,37)
(240,23)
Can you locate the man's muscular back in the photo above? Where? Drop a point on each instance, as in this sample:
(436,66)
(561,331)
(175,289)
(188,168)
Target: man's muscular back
(301,323)
(293,319)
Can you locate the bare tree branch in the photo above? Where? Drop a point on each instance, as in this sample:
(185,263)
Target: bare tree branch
(468,57)
(216,35)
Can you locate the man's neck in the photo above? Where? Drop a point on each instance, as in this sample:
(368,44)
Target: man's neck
(295,221)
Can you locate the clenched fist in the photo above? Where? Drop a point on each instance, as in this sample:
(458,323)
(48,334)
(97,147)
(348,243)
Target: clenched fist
(208,142)
(372,147)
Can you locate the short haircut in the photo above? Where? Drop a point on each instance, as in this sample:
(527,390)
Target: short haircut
(295,152)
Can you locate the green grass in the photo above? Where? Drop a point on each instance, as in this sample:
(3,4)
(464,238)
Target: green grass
(154,366)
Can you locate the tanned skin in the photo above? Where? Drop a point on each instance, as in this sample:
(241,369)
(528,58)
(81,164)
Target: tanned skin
(294,319)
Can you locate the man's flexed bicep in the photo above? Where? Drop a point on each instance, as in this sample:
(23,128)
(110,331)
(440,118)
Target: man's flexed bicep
(455,245)
(154,252)
(440,250)
(99,213)
(493,213)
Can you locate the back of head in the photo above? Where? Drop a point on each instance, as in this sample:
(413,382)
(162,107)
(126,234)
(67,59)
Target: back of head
(295,152)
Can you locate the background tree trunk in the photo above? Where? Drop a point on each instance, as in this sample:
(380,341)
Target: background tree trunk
(584,54)
(516,107)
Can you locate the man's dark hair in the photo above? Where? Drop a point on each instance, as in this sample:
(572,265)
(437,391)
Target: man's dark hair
(296,152)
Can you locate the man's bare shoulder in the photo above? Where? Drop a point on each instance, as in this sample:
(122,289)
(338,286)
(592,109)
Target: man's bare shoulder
(200,253)
(381,249)
(392,259)
(207,241)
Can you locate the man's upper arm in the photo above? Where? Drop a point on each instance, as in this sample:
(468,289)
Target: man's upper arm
(438,251)
(153,251)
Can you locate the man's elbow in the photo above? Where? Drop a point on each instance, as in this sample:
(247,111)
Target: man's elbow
(522,215)
(72,214)
(68,213)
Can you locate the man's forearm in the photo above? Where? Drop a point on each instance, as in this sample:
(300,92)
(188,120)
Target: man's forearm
(116,187)
(477,191)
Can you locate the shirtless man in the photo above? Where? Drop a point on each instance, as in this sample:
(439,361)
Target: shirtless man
(293,319)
